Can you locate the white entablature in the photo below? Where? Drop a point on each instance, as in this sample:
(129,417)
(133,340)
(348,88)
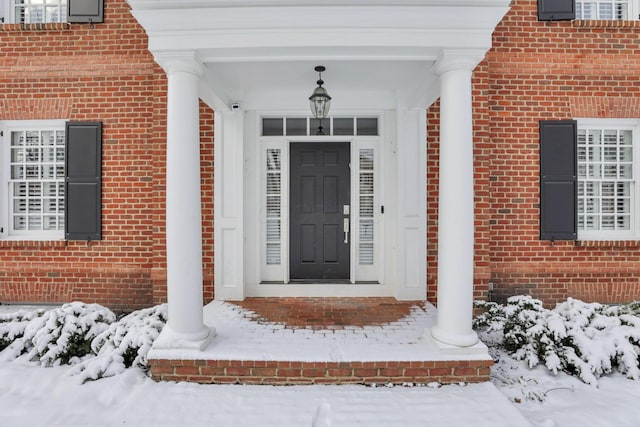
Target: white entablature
(255,49)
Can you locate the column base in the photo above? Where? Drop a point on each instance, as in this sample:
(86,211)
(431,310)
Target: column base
(171,340)
(475,350)
(458,340)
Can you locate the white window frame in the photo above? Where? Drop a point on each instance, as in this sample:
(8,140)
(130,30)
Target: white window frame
(634,232)
(8,10)
(633,9)
(7,127)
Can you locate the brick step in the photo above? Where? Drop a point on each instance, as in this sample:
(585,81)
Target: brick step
(296,373)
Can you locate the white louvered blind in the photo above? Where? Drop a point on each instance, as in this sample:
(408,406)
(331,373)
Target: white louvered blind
(37,11)
(605,9)
(605,179)
(366,203)
(36,186)
(274,206)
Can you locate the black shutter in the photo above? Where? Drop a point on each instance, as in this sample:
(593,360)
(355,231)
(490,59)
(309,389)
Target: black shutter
(82,203)
(556,10)
(558,180)
(85,11)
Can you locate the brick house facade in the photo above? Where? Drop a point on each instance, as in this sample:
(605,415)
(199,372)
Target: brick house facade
(541,70)
(104,72)
(554,70)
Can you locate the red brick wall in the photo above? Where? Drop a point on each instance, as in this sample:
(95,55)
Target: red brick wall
(104,73)
(554,70)
(539,71)
(206,171)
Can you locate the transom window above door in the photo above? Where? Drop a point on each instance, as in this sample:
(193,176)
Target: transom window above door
(308,126)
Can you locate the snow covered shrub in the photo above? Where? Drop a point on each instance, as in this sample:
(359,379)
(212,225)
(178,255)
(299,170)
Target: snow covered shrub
(521,313)
(12,325)
(59,336)
(585,340)
(124,344)
(85,335)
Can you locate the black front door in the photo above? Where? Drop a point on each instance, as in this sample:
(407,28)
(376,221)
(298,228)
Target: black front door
(319,203)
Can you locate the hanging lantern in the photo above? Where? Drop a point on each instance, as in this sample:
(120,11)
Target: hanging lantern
(320,100)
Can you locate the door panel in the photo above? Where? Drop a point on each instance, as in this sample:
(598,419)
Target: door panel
(331,240)
(330,194)
(319,188)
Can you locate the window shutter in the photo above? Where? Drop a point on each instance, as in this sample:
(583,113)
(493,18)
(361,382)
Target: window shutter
(85,11)
(82,205)
(558,182)
(556,10)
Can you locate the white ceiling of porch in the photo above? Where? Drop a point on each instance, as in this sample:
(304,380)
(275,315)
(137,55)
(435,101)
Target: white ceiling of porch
(287,84)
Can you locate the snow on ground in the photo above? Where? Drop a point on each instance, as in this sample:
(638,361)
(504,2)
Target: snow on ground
(31,395)
(548,400)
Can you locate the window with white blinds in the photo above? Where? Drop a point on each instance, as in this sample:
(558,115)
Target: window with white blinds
(606,9)
(273,193)
(34,11)
(606,180)
(366,206)
(36,181)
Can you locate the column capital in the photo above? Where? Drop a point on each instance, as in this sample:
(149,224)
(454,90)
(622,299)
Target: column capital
(458,59)
(181,61)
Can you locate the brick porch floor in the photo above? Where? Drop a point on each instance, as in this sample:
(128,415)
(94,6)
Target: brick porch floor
(321,341)
(328,313)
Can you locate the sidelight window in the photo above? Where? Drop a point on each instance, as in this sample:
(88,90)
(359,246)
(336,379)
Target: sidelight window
(273,193)
(366,201)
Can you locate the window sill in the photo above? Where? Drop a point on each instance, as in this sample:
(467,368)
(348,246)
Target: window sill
(17,244)
(604,23)
(607,243)
(50,26)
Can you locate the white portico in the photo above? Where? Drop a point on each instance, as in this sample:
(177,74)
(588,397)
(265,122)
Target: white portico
(253,61)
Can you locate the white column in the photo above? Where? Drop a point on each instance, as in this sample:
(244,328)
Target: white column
(456,201)
(185,327)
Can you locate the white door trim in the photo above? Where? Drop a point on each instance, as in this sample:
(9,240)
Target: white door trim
(273,280)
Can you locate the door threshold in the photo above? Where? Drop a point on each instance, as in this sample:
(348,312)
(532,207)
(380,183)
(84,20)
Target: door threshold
(319,282)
